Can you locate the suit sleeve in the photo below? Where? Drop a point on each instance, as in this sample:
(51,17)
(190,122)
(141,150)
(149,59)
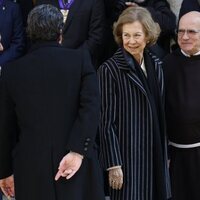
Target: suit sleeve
(96,31)
(7,129)
(83,133)
(109,145)
(17,43)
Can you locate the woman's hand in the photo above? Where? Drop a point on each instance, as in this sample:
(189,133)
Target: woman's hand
(115,176)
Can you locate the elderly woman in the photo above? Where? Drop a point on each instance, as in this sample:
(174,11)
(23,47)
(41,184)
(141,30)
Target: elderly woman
(132,126)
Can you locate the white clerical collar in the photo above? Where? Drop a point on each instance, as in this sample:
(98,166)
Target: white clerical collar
(187,55)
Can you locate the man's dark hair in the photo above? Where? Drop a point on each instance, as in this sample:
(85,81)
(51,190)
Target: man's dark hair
(45,22)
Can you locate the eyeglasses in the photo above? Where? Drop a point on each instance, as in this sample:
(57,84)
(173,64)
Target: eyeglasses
(190,32)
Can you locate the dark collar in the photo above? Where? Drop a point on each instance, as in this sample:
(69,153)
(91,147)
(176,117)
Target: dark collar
(178,53)
(41,44)
(126,61)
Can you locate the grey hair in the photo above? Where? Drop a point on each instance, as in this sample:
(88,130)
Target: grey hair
(45,22)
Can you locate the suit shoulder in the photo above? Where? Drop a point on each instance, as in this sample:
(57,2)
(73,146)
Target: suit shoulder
(12,4)
(8,69)
(109,64)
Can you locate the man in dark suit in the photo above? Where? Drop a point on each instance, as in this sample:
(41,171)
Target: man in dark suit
(11,31)
(50,105)
(84,26)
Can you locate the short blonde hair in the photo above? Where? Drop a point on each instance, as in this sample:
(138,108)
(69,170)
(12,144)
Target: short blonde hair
(142,15)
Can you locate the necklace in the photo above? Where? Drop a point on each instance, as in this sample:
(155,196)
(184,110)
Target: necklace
(64,8)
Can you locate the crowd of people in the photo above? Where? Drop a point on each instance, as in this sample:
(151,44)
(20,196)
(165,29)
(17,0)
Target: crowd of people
(99,98)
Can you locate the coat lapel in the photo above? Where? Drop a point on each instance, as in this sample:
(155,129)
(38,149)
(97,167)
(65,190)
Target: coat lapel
(73,10)
(128,67)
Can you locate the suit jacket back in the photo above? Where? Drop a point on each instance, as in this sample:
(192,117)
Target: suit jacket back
(51,97)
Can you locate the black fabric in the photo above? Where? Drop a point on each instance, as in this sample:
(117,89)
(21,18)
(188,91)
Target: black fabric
(183,122)
(26,6)
(189,5)
(182,97)
(185,173)
(84,27)
(151,86)
(52,95)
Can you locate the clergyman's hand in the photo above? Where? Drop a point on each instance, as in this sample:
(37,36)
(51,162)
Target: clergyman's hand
(7,186)
(115,176)
(69,165)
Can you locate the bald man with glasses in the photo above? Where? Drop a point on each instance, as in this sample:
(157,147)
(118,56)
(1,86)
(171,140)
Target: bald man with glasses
(182,80)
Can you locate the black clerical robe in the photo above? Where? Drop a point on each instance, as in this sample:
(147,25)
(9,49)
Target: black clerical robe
(182,80)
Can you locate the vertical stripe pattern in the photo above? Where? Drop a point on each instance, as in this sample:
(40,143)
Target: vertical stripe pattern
(126,127)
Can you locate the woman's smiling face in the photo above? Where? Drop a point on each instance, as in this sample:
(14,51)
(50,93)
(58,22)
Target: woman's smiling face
(134,39)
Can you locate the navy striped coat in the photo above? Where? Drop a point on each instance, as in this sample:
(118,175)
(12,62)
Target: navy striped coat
(126,127)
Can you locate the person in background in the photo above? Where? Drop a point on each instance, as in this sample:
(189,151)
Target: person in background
(189,5)
(175,6)
(48,99)
(182,72)
(133,146)
(84,25)
(26,7)
(11,32)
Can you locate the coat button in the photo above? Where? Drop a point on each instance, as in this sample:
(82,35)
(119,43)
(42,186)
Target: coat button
(85,149)
(86,143)
(88,139)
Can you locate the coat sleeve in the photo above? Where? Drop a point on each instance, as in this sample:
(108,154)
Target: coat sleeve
(109,145)
(83,133)
(7,129)
(17,43)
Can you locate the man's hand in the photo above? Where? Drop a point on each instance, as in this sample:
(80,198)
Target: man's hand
(69,165)
(115,178)
(1,47)
(7,186)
